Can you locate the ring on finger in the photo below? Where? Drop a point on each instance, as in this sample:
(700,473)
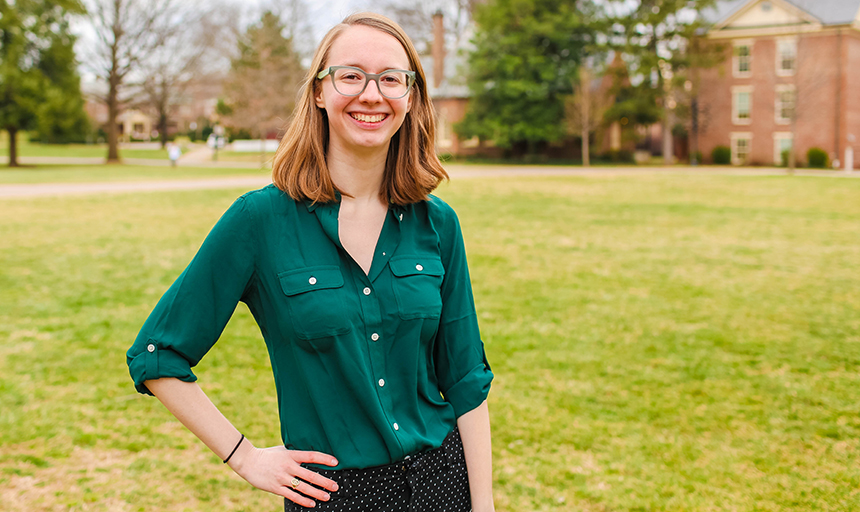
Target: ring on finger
(295,483)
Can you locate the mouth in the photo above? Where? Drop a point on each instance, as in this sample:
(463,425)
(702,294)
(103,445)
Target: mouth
(366,118)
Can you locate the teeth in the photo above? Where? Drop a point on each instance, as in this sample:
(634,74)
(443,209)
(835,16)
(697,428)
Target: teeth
(368,119)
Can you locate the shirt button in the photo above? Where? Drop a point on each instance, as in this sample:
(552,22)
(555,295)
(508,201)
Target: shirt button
(419,268)
(150,347)
(312,280)
(381,382)
(366,291)
(396,426)
(374,336)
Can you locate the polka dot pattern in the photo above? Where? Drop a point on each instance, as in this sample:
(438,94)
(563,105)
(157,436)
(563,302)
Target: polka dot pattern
(432,481)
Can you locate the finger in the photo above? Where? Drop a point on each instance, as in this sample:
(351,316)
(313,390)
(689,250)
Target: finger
(315,478)
(297,498)
(313,458)
(309,490)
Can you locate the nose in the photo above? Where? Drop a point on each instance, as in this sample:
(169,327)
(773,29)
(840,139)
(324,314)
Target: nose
(371,92)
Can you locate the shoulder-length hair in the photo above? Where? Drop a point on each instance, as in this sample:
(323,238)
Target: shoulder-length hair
(412,169)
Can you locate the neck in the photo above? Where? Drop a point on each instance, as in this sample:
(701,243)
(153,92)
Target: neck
(357,173)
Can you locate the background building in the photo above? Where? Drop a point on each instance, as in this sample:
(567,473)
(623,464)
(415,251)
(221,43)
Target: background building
(790,81)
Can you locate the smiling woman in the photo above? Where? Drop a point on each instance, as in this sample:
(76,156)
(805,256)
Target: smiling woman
(358,280)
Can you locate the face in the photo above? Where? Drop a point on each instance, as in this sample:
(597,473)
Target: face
(369,120)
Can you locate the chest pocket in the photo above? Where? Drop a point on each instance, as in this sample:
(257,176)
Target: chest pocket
(316,300)
(417,285)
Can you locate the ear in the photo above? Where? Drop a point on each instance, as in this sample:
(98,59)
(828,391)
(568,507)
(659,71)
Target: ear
(318,97)
(409,102)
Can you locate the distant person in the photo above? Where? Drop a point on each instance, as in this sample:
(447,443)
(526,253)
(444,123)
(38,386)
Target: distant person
(174,152)
(359,283)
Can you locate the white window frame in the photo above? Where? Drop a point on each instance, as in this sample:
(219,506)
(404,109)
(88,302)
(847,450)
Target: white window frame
(443,131)
(778,103)
(736,92)
(780,43)
(736,59)
(777,152)
(736,136)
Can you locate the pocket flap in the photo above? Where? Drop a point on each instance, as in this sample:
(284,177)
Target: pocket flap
(407,265)
(303,280)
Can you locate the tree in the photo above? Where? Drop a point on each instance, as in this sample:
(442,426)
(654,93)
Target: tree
(127,31)
(35,44)
(655,36)
(524,65)
(264,79)
(585,109)
(416,18)
(183,56)
(61,117)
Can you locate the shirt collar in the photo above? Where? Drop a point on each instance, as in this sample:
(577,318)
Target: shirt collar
(398,209)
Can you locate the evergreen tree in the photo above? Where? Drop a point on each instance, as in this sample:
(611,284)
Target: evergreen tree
(659,39)
(37,68)
(264,79)
(523,67)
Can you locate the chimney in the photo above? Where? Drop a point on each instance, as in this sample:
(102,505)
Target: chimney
(438,50)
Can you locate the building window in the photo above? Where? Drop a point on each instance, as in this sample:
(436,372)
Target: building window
(784,108)
(742,60)
(742,105)
(741,148)
(786,56)
(443,131)
(782,142)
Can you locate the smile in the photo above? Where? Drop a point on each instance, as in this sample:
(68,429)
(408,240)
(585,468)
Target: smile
(368,119)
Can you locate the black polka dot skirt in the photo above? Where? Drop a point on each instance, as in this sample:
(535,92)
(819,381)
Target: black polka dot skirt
(428,482)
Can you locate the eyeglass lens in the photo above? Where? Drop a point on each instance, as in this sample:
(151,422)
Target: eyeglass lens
(351,82)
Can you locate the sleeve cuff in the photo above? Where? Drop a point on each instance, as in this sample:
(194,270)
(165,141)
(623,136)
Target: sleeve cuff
(156,363)
(470,391)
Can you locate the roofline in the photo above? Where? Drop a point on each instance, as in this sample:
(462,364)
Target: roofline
(751,3)
(785,30)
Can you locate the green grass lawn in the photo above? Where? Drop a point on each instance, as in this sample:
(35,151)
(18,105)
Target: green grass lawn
(101,173)
(660,342)
(243,156)
(35,149)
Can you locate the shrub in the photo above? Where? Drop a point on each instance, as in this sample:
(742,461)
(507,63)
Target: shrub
(721,155)
(817,158)
(620,155)
(783,157)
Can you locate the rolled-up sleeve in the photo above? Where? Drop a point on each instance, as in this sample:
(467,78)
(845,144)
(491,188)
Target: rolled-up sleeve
(462,369)
(193,312)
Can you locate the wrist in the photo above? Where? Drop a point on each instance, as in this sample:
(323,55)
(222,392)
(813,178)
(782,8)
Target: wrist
(239,460)
(486,507)
(483,504)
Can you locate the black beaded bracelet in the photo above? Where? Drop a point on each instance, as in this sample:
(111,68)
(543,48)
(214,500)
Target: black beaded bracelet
(234,449)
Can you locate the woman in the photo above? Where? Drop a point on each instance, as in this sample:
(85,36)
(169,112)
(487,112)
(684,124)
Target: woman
(359,283)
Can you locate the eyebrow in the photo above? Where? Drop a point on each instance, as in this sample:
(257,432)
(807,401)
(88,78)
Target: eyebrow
(384,69)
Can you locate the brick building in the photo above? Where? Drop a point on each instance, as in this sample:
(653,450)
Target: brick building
(790,81)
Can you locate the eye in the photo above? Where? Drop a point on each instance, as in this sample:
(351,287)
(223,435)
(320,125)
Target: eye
(393,78)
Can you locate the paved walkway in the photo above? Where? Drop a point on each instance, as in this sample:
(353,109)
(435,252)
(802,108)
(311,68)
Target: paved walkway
(200,157)
(456,172)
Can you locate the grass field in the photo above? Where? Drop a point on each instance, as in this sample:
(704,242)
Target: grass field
(27,148)
(660,342)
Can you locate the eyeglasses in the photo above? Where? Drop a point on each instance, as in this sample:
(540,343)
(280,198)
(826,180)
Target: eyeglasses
(351,81)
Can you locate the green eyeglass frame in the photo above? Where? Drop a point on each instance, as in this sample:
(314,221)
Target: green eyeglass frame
(410,79)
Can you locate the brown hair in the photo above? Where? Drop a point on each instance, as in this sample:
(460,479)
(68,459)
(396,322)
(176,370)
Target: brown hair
(412,169)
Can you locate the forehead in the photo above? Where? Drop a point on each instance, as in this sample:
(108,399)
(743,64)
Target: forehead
(368,48)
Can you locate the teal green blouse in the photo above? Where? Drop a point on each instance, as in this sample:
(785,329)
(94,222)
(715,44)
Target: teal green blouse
(368,367)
